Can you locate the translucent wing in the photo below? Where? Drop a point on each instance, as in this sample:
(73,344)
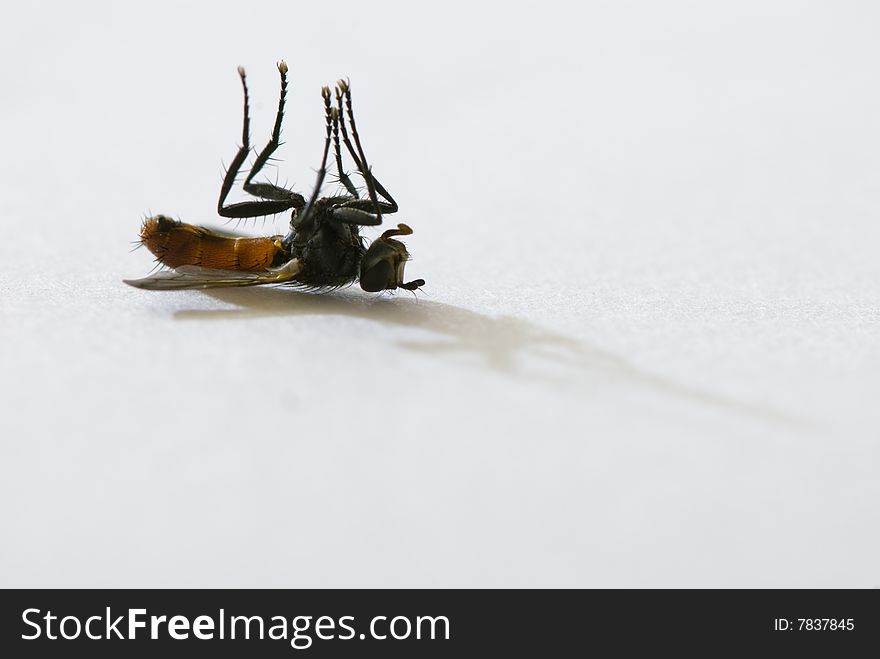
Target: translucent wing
(193,276)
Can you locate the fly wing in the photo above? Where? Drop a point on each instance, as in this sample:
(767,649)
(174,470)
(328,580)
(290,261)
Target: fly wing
(195,277)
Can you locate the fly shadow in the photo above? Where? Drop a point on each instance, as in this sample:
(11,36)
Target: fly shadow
(506,344)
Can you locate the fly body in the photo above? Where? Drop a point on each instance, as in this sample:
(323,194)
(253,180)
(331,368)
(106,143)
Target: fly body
(323,247)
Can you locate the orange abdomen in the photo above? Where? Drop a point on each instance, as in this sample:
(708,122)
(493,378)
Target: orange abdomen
(175,243)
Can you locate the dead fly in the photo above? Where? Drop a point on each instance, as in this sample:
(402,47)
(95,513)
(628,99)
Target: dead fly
(323,248)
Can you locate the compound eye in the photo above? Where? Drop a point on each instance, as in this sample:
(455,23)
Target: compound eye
(377,277)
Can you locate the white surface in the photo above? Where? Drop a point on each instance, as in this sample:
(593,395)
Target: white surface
(647,353)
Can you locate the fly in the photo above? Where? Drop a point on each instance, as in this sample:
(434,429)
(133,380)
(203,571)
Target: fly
(323,248)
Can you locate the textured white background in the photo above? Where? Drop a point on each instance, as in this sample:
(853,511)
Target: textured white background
(647,352)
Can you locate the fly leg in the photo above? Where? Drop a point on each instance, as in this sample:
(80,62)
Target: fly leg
(304,223)
(343,90)
(274,199)
(340,169)
(357,211)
